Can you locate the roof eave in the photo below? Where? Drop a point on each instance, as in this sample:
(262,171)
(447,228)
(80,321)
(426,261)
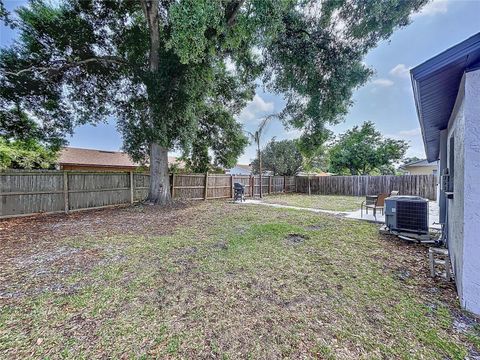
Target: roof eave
(416,95)
(97,165)
(433,67)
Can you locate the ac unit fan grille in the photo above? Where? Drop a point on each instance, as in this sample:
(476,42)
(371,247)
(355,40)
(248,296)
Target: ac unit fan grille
(412,215)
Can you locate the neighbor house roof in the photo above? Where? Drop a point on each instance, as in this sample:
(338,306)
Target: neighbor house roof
(435,87)
(239,168)
(92,157)
(419,163)
(244,166)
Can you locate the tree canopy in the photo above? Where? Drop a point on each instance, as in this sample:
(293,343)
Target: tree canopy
(280,157)
(159,67)
(21,154)
(23,144)
(363,150)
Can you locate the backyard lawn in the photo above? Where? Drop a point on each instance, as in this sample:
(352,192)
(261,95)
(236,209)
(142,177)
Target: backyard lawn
(324,202)
(220,280)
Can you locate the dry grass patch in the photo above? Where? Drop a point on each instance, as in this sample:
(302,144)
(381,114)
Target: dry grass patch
(228,281)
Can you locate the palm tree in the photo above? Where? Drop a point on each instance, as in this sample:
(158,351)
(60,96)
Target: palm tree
(256,137)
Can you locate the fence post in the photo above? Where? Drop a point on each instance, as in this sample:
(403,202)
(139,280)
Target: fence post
(284,184)
(295,181)
(309,190)
(206,186)
(252,185)
(231,186)
(65,191)
(269,185)
(173,185)
(131,187)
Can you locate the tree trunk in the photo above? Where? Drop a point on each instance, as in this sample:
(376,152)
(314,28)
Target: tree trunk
(159,190)
(260,170)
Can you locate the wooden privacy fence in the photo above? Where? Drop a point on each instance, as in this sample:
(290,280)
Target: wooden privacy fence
(213,186)
(27,193)
(420,185)
(33,192)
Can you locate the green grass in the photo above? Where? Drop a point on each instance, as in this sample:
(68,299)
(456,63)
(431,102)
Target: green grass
(232,284)
(324,202)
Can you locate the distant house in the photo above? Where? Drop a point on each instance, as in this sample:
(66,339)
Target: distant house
(98,160)
(447,98)
(420,167)
(321,173)
(240,169)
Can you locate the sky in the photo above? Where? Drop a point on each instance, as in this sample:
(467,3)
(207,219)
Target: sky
(387,99)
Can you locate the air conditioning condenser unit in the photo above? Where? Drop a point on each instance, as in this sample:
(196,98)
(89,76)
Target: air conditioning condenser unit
(407,214)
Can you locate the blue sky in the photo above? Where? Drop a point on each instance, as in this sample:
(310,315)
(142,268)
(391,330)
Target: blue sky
(387,99)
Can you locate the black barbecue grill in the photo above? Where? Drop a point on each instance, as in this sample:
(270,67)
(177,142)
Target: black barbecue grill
(238,192)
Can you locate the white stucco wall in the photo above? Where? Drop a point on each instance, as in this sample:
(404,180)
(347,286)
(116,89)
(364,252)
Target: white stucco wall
(455,209)
(471,241)
(463,211)
(422,170)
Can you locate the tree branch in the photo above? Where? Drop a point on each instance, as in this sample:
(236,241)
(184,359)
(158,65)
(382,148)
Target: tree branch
(298,31)
(234,12)
(68,65)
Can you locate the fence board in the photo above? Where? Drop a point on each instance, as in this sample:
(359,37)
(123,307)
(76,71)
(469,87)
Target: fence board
(189,186)
(218,186)
(420,185)
(30,192)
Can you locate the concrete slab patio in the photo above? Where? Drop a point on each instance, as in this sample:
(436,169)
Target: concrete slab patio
(357,215)
(433,212)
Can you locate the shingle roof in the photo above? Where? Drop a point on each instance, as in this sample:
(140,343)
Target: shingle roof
(423,162)
(92,157)
(244,166)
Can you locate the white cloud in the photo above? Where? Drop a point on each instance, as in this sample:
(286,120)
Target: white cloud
(383,82)
(229,64)
(409,133)
(261,104)
(433,8)
(292,133)
(403,134)
(400,70)
(256,109)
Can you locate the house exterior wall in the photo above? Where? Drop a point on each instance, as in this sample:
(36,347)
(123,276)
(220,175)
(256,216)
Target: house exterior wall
(455,210)
(471,266)
(442,165)
(421,170)
(463,211)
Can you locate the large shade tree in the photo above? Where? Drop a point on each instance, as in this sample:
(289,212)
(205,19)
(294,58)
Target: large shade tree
(280,157)
(363,150)
(159,67)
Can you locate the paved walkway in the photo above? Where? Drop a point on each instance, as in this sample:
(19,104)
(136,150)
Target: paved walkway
(432,218)
(260,202)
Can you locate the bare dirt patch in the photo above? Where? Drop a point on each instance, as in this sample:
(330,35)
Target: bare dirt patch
(138,219)
(315,227)
(36,259)
(296,239)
